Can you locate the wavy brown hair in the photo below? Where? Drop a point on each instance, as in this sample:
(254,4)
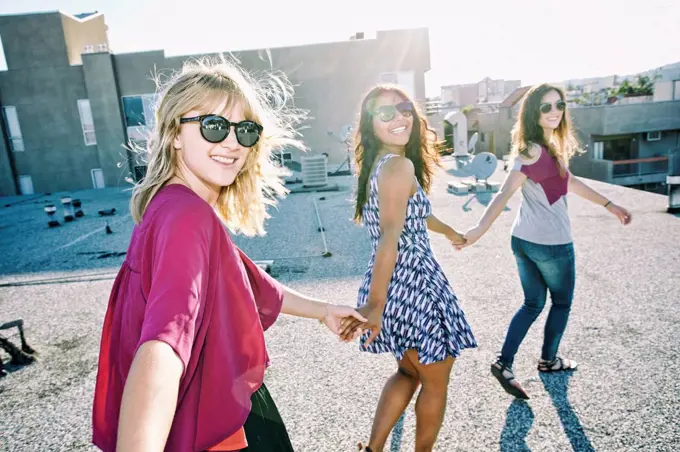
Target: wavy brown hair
(202,85)
(422,148)
(528,131)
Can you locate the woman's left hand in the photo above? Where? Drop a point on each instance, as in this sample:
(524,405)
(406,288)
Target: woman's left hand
(619,212)
(336,314)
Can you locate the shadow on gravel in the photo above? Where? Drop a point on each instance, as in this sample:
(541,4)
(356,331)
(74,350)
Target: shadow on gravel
(518,422)
(557,384)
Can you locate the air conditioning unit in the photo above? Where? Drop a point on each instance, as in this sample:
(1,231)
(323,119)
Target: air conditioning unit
(102,48)
(314,171)
(88,49)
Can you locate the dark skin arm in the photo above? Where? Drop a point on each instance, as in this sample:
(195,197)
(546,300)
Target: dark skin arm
(396,183)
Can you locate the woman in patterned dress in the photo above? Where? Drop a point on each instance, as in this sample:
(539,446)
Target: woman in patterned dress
(411,309)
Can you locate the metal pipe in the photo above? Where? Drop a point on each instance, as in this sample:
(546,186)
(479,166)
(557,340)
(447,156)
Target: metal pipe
(326,253)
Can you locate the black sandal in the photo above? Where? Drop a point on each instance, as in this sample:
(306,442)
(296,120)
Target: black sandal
(547,366)
(506,381)
(362,448)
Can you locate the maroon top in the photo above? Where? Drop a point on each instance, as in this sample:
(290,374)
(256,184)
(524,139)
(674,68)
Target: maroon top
(185,283)
(546,173)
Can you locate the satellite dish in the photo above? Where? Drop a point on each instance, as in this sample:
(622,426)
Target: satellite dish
(481,167)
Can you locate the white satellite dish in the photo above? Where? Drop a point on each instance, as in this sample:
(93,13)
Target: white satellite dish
(481,167)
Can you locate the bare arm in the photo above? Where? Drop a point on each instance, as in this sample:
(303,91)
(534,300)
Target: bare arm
(331,315)
(297,304)
(578,187)
(149,398)
(512,182)
(434,224)
(395,185)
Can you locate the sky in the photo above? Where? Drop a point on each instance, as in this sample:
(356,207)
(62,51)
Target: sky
(529,40)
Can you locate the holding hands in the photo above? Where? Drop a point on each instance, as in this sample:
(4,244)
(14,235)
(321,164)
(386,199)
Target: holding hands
(373,321)
(337,316)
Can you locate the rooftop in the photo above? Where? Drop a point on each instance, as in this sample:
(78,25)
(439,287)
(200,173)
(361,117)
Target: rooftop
(624,327)
(515,96)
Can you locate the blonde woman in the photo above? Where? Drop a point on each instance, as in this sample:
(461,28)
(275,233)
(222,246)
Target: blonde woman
(543,143)
(183,355)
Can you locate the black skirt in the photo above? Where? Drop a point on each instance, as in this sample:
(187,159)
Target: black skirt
(264,428)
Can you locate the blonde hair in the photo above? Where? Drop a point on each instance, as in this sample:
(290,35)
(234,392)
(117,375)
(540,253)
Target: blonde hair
(527,131)
(202,85)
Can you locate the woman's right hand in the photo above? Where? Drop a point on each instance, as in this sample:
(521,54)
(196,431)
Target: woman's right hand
(373,312)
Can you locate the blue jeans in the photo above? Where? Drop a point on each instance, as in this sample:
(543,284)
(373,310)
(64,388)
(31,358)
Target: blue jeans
(541,268)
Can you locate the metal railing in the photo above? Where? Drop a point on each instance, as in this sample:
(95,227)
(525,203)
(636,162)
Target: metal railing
(640,167)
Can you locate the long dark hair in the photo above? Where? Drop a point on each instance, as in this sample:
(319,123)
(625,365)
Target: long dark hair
(528,131)
(422,148)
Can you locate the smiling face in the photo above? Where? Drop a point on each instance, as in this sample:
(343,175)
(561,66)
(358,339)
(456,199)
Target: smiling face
(210,166)
(392,119)
(551,119)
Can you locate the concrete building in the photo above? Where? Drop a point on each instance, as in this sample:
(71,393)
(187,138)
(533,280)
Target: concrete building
(486,91)
(70,105)
(627,144)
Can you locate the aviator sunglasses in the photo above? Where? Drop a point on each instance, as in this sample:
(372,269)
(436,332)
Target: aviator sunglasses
(215,128)
(547,108)
(386,113)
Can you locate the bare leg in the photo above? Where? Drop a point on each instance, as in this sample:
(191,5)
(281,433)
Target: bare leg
(395,397)
(431,403)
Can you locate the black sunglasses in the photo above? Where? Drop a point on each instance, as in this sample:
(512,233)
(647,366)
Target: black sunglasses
(547,108)
(386,113)
(215,129)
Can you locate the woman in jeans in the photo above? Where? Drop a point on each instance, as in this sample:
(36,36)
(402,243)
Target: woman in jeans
(542,144)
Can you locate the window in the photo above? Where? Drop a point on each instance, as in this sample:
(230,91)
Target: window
(598,150)
(12,122)
(97,178)
(282,157)
(389,77)
(26,185)
(404,79)
(140,117)
(676,90)
(86,122)
(653,136)
(3,60)
(139,110)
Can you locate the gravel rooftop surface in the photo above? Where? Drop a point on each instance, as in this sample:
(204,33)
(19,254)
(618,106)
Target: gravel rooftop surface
(624,328)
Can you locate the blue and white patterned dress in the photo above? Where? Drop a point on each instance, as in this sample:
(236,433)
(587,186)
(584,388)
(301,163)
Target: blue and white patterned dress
(422,311)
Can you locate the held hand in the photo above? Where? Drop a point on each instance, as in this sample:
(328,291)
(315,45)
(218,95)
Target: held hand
(471,236)
(619,212)
(373,314)
(337,315)
(455,237)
